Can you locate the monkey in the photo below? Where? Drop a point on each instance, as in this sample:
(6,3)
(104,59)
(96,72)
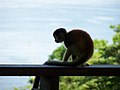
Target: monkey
(79,45)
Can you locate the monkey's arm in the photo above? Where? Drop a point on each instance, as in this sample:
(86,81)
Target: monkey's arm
(67,54)
(65,58)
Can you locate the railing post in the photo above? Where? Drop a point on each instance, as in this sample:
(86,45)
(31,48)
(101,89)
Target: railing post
(49,83)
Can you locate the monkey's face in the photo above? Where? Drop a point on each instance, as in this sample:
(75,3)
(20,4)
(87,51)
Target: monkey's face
(59,38)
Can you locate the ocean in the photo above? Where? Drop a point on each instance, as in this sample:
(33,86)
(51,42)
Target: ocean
(9,83)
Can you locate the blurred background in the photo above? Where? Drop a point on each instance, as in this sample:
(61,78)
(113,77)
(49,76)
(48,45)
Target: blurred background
(26,28)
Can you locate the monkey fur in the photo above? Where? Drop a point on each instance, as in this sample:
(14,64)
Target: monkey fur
(79,46)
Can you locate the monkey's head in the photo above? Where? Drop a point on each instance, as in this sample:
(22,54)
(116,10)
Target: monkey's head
(59,35)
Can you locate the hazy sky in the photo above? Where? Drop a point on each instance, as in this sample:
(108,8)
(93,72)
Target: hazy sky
(26,26)
(78,2)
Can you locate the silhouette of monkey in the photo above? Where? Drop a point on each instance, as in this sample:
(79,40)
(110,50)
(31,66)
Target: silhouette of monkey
(78,44)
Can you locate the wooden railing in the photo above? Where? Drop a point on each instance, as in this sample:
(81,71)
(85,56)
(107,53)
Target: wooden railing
(52,73)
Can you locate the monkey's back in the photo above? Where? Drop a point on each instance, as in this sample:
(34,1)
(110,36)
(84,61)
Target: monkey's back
(79,36)
(83,39)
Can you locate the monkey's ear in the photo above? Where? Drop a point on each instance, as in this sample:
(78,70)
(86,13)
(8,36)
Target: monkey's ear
(61,35)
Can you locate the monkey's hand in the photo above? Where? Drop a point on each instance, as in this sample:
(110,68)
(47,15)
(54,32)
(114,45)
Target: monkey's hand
(49,62)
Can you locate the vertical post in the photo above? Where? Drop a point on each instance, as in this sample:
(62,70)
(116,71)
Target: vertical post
(36,82)
(49,83)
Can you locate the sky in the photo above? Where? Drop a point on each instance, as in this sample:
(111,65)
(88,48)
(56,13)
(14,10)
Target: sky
(26,26)
(67,2)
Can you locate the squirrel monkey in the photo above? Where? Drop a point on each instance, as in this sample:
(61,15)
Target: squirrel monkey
(79,46)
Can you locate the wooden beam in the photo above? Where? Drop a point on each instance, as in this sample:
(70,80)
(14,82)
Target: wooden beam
(47,70)
(47,83)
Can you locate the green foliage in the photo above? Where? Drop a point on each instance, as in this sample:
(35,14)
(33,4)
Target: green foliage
(111,53)
(104,54)
(116,37)
(58,53)
(116,28)
(100,44)
(28,87)
(90,83)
